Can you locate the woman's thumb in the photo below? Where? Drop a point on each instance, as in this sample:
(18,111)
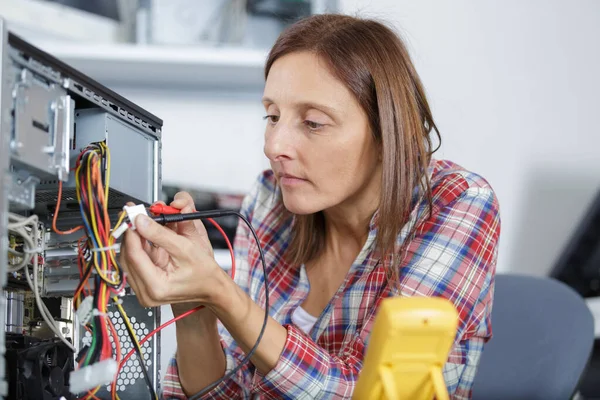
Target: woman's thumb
(157,234)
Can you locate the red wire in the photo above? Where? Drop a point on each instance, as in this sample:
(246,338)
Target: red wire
(118,356)
(185,314)
(229,246)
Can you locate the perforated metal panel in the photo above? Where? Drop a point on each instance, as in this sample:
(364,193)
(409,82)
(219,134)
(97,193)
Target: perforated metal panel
(130,382)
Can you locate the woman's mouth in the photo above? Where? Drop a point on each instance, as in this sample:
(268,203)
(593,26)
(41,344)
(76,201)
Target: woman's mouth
(290,180)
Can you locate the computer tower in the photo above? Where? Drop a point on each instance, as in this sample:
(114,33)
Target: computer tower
(49,112)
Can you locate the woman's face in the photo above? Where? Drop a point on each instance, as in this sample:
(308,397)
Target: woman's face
(317,138)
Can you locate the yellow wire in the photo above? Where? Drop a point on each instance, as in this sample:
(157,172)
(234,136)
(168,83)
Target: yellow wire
(112,239)
(107,150)
(93,393)
(104,200)
(93,215)
(126,320)
(106,193)
(100,271)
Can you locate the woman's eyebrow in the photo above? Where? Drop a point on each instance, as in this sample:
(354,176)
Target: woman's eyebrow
(325,108)
(307,105)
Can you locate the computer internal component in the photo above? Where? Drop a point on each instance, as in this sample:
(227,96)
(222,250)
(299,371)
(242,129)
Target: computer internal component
(61,136)
(38,369)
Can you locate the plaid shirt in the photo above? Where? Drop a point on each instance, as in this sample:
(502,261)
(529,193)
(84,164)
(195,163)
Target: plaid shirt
(452,255)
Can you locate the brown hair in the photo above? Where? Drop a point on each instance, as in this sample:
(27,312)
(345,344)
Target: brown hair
(373,62)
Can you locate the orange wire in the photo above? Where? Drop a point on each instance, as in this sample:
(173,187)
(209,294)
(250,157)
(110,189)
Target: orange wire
(102,198)
(113,386)
(97,180)
(92,394)
(54,228)
(80,260)
(81,287)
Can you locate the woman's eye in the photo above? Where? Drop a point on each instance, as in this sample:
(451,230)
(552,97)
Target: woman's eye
(271,118)
(313,126)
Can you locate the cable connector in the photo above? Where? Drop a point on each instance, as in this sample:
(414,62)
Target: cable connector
(120,230)
(133,212)
(84,311)
(98,374)
(98,313)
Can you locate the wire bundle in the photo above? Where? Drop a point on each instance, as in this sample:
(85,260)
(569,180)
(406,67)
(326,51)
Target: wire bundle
(96,252)
(92,175)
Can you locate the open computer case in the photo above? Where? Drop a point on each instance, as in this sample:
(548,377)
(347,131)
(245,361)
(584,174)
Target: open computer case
(49,113)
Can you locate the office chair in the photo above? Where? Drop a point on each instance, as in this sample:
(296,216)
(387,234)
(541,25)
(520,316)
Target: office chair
(543,333)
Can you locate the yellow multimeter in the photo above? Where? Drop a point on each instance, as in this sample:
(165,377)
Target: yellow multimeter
(408,347)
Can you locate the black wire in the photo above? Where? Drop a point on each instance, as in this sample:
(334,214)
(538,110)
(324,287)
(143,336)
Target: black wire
(163,219)
(86,277)
(138,350)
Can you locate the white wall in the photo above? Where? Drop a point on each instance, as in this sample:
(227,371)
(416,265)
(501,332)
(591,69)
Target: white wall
(210,140)
(514,87)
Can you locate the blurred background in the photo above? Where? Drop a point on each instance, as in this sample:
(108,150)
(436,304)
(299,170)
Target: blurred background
(514,86)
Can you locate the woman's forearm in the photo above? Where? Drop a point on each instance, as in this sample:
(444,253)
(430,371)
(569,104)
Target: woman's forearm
(244,319)
(200,357)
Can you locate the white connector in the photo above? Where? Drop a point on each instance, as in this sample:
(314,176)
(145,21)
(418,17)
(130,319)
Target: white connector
(86,378)
(134,211)
(84,311)
(120,230)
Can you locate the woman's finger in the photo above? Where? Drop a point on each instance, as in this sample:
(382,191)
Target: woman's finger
(159,235)
(183,199)
(156,254)
(144,276)
(159,257)
(126,263)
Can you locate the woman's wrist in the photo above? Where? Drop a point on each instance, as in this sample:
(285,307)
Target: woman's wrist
(228,298)
(199,319)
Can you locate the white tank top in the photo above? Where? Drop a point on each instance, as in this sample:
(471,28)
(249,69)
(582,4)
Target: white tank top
(303,320)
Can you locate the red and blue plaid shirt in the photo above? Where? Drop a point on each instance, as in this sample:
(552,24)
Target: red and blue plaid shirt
(451,255)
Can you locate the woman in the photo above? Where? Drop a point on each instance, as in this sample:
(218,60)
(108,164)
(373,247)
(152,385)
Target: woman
(354,210)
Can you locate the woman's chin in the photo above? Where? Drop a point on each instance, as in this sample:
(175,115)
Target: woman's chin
(299,206)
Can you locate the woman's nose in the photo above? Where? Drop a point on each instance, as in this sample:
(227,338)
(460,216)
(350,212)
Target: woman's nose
(278,142)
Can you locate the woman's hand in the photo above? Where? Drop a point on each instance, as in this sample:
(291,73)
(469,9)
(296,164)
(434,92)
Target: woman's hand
(168,265)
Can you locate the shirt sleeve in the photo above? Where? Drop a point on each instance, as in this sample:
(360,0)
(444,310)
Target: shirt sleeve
(452,255)
(239,384)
